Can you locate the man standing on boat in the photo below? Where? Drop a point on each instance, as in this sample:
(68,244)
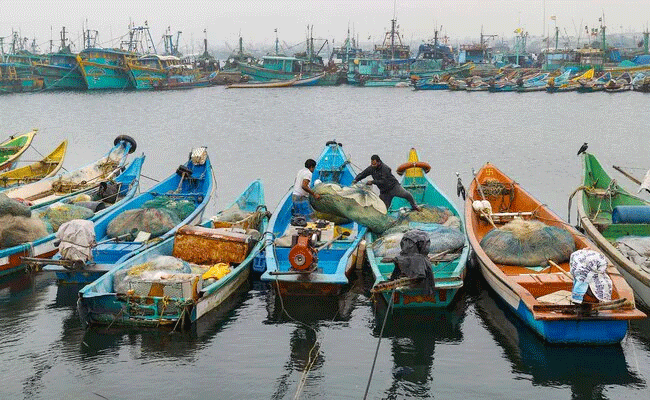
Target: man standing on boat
(387,184)
(301,190)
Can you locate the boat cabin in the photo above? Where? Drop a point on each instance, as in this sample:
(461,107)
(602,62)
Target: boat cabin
(282,64)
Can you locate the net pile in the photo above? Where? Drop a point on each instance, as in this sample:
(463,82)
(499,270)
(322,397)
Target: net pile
(441,239)
(235,217)
(528,243)
(59,213)
(155,221)
(155,269)
(13,207)
(357,203)
(15,230)
(181,208)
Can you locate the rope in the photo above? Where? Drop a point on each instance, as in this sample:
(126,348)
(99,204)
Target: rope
(381,333)
(311,361)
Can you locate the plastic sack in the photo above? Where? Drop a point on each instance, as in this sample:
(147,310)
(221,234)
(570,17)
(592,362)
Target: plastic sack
(77,238)
(528,243)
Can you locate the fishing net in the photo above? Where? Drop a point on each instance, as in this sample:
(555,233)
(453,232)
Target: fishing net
(441,239)
(528,243)
(636,249)
(331,218)
(15,230)
(59,213)
(155,221)
(235,217)
(357,203)
(431,214)
(13,207)
(154,269)
(83,197)
(181,208)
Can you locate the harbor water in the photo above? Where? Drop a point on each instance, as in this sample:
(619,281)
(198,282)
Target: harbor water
(260,346)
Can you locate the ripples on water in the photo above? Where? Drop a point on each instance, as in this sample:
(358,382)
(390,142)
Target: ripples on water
(252,349)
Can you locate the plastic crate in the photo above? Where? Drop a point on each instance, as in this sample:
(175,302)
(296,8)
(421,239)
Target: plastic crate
(259,262)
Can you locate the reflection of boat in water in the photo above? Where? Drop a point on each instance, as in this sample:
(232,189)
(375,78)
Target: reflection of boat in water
(588,370)
(413,337)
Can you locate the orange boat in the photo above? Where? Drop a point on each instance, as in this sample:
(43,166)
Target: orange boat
(538,295)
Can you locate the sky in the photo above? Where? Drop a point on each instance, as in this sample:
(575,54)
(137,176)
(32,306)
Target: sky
(256,20)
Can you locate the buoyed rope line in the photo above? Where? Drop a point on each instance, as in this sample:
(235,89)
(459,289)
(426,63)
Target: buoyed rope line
(381,334)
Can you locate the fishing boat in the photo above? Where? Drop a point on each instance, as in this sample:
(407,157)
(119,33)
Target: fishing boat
(601,201)
(52,189)
(150,70)
(305,267)
(188,189)
(309,81)
(12,148)
(12,259)
(105,68)
(13,80)
(538,295)
(48,166)
(61,71)
(449,269)
(261,85)
(102,302)
(434,83)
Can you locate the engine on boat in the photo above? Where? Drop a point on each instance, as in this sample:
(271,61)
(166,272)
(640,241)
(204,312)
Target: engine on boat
(303,254)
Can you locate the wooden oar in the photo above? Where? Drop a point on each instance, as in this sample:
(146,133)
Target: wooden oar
(630,177)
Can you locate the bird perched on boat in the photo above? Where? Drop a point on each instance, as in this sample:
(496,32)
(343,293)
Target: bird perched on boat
(583,148)
(460,189)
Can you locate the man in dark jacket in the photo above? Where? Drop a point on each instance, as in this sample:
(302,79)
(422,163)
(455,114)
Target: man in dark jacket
(387,184)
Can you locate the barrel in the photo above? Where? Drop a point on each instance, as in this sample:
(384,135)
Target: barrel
(631,215)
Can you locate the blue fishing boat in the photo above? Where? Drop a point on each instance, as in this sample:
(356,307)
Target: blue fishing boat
(61,71)
(448,266)
(431,84)
(307,268)
(273,68)
(151,70)
(188,188)
(105,68)
(108,301)
(17,258)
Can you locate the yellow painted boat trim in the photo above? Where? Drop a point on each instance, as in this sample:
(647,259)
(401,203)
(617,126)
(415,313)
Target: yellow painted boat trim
(413,172)
(14,157)
(45,168)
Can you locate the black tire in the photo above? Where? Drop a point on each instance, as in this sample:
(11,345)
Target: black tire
(128,139)
(183,170)
(333,142)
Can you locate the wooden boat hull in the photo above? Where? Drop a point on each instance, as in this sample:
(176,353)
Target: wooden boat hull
(595,177)
(12,148)
(10,258)
(107,254)
(52,189)
(449,275)
(49,166)
(98,304)
(262,85)
(58,77)
(332,167)
(520,287)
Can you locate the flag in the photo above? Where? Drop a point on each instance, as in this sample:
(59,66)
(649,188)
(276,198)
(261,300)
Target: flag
(518,30)
(552,17)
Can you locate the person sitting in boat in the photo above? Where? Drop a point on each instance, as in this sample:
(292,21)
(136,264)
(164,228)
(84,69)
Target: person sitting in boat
(387,184)
(302,191)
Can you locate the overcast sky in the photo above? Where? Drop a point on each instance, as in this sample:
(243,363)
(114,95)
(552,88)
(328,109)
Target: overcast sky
(257,19)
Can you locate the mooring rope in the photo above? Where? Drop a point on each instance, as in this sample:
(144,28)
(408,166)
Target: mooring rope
(381,333)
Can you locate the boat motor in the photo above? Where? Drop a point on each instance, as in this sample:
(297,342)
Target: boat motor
(303,254)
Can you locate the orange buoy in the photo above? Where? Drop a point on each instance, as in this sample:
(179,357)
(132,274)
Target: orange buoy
(415,164)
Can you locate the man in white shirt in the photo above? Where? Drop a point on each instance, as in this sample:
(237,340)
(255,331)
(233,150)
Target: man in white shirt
(301,190)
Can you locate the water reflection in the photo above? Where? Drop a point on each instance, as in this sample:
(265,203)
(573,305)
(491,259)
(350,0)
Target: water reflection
(413,336)
(587,370)
(162,343)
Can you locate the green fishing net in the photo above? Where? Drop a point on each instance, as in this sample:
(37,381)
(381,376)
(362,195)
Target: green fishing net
(528,243)
(15,230)
(182,208)
(155,221)
(57,214)
(12,207)
(357,203)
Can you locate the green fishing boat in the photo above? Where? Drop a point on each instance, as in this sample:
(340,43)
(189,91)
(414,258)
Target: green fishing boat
(12,148)
(618,222)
